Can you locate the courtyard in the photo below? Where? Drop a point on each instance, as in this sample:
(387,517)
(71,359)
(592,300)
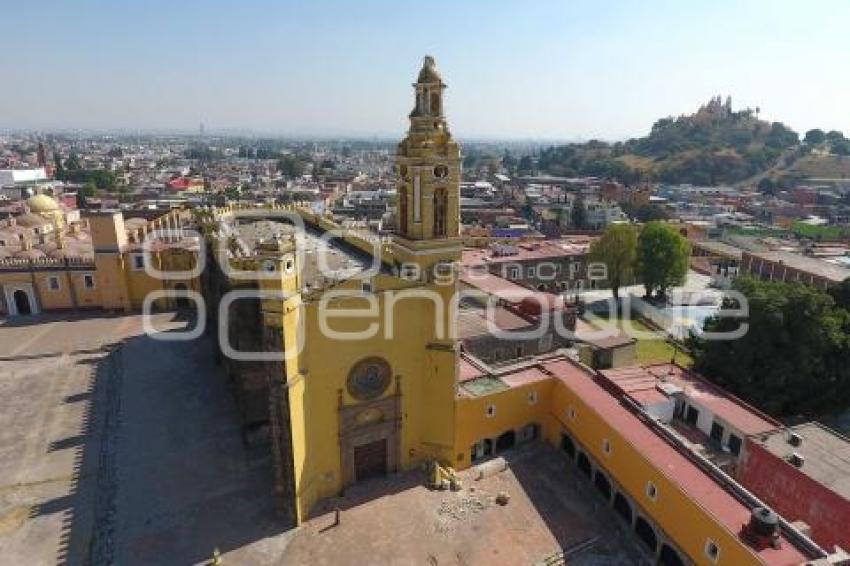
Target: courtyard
(119,448)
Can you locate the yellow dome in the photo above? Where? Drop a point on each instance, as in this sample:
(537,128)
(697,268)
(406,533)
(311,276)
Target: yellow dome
(42,203)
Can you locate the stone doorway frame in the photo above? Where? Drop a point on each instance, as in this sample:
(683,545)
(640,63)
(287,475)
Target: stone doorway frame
(11,306)
(356,430)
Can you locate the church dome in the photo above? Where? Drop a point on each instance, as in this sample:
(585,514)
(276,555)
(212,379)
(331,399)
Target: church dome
(429,72)
(42,203)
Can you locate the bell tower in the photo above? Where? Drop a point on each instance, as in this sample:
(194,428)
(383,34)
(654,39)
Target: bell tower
(428,162)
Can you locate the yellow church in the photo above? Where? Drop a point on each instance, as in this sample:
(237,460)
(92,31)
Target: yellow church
(359,372)
(345,346)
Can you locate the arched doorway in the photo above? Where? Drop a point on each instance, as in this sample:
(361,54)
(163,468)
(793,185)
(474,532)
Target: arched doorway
(646,534)
(623,508)
(669,557)
(182,300)
(22,302)
(506,440)
(568,446)
(584,465)
(603,486)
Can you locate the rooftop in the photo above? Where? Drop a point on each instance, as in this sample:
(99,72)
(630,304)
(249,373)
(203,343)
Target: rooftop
(817,267)
(679,469)
(637,382)
(826,454)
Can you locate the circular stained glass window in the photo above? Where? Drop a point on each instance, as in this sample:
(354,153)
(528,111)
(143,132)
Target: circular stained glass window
(369,379)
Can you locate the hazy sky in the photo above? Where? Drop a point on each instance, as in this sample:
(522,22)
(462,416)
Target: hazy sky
(531,69)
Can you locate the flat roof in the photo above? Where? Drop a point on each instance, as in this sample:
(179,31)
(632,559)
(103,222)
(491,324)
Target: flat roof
(806,264)
(701,488)
(748,420)
(546,249)
(474,321)
(719,248)
(826,454)
(495,285)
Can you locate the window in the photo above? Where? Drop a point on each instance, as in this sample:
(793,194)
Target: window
(692,415)
(571,414)
(735,444)
(519,351)
(532,271)
(545,343)
(532,398)
(606,446)
(53,283)
(138,262)
(88,281)
(712,551)
(491,411)
(366,286)
(2,243)
(716,432)
(513,273)
(651,491)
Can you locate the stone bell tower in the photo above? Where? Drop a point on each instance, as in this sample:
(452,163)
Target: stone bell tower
(428,161)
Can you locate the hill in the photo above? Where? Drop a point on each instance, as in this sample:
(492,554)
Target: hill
(715,145)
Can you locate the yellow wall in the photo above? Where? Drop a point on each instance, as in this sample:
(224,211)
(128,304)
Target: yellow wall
(679,516)
(72,292)
(427,379)
(513,411)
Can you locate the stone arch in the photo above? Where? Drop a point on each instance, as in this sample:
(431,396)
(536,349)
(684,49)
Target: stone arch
(441,204)
(646,534)
(584,465)
(669,557)
(603,486)
(22,302)
(568,446)
(181,299)
(506,440)
(623,507)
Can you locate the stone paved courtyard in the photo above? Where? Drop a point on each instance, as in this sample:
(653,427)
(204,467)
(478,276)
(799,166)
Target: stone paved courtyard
(118,448)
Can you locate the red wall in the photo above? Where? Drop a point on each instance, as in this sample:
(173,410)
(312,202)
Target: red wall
(796,496)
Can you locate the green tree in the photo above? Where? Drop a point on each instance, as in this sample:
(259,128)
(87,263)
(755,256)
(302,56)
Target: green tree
(578,216)
(291,166)
(617,250)
(841,147)
(59,170)
(792,360)
(662,257)
(814,137)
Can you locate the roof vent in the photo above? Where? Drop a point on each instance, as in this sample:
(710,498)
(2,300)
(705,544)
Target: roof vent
(763,529)
(794,439)
(796,460)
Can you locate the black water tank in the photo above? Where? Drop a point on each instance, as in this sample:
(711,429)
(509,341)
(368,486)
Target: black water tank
(763,522)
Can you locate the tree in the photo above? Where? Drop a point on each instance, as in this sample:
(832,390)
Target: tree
(526,165)
(834,136)
(792,360)
(59,171)
(814,137)
(617,250)
(291,166)
(579,214)
(662,257)
(841,147)
(767,186)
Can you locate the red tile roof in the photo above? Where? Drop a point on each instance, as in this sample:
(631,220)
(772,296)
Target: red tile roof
(701,488)
(726,407)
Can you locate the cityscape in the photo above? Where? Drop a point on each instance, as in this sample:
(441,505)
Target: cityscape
(534,337)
